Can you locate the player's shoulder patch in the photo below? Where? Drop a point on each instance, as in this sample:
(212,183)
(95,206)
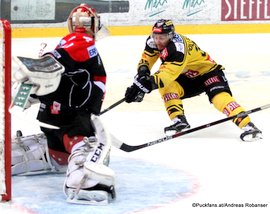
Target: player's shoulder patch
(179,47)
(92,51)
(178,43)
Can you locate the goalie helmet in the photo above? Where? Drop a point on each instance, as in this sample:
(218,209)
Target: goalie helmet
(84,19)
(163,26)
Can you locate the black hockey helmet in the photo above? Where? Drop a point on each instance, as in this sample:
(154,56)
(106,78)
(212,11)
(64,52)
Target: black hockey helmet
(163,26)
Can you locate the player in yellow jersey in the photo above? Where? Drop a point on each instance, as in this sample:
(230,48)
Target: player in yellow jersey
(185,71)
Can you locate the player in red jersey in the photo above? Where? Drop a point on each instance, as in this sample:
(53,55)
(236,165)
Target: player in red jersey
(81,140)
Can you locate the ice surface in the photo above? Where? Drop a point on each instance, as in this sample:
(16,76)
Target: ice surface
(208,167)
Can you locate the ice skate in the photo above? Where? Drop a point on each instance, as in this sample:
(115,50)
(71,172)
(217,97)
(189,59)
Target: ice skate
(180,124)
(251,133)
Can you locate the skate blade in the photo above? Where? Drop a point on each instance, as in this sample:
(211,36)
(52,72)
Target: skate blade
(172,132)
(252,137)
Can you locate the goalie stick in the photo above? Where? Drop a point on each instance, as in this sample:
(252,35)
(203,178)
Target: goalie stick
(130,148)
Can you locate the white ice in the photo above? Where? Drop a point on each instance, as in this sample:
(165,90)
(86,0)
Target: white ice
(211,166)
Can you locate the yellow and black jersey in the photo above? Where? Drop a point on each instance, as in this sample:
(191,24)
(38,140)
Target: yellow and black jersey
(181,56)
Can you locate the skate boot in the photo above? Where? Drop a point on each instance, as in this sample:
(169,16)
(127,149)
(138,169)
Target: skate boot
(251,133)
(180,123)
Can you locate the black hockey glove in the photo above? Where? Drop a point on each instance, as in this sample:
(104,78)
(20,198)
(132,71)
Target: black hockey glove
(134,94)
(141,85)
(142,79)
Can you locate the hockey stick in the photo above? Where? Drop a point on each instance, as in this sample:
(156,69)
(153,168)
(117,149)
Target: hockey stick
(112,106)
(130,148)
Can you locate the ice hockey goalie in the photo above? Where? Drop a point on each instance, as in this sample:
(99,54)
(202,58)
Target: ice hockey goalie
(69,82)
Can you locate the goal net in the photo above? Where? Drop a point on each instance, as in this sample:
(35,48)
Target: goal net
(5,119)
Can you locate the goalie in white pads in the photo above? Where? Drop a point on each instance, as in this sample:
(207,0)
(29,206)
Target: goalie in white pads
(70,103)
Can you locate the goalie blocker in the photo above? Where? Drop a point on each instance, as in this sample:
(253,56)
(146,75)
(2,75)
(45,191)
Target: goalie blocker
(44,73)
(34,76)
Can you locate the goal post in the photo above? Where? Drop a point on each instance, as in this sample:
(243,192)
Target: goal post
(5,118)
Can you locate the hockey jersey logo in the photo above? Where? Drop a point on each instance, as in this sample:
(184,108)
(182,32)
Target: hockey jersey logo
(164,54)
(92,51)
(180,47)
(55,107)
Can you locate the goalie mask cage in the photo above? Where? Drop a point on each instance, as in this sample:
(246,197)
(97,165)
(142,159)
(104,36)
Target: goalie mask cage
(5,118)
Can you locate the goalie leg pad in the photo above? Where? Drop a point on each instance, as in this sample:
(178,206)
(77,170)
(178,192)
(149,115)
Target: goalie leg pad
(100,194)
(30,156)
(99,172)
(88,170)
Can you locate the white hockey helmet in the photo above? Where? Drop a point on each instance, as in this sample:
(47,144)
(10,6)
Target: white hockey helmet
(84,19)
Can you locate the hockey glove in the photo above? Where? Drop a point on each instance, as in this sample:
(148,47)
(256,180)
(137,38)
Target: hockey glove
(144,83)
(44,73)
(133,94)
(141,85)
(31,101)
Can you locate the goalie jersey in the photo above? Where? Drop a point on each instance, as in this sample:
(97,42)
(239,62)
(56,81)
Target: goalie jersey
(82,85)
(181,56)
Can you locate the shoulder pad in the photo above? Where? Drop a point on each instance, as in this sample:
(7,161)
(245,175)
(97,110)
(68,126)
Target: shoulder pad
(178,43)
(177,38)
(80,47)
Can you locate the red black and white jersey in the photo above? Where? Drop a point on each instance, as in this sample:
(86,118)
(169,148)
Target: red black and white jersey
(82,85)
(78,51)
